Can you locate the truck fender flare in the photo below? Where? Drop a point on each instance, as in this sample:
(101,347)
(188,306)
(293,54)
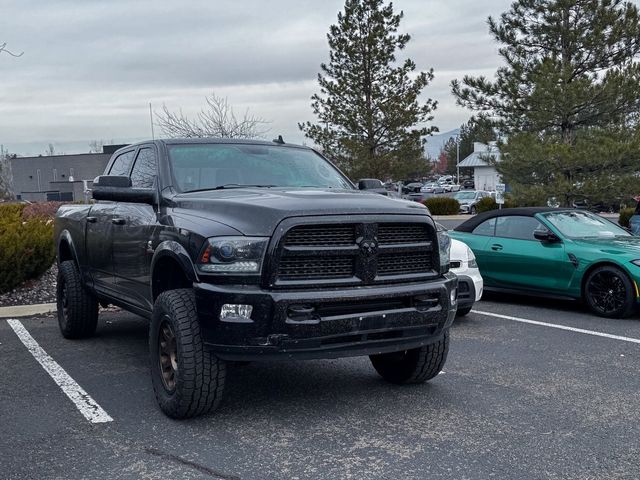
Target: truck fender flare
(65,236)
(172,249)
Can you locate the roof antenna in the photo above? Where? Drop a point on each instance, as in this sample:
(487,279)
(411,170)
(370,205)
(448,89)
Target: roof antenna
(278,140)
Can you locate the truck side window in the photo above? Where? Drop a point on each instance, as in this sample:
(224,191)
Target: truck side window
(122,164)
(144,169)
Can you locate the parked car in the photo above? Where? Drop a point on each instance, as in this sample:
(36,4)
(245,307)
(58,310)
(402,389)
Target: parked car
(469,200)
(372,185)
(412,187)
(432,188)
(470,283)
(548,251)
(239,250)
(451,187)
(468,184)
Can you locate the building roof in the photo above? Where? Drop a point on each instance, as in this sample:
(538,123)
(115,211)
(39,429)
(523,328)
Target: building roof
(480,155)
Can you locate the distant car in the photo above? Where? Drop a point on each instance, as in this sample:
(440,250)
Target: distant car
(468,184)
(547,251)
(451,187)
(432,188)
(412,187)
(372,185)
(470,283)
(469,200)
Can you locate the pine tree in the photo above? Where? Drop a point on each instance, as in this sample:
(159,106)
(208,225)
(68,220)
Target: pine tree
(570,85)
(369,118)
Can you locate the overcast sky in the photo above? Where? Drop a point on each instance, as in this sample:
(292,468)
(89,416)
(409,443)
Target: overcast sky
(90,68)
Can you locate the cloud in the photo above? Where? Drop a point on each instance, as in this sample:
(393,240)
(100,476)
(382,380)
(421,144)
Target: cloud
(90,68)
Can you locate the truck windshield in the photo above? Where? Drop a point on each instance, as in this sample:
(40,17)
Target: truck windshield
(211,166)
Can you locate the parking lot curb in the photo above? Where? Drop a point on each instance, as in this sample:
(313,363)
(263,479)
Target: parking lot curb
(27,310)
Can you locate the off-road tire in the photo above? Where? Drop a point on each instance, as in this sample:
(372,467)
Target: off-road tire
(77,307)
(463,311)
(200,375)
(413,366)
(621,307)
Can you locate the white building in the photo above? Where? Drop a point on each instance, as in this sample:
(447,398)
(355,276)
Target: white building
(485,175)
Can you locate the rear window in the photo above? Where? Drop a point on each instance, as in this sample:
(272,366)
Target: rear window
(486,228)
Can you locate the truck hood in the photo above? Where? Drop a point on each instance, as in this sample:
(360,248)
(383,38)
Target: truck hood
(257,211)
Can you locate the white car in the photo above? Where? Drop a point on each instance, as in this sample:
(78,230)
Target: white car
(470,283)
(451,187)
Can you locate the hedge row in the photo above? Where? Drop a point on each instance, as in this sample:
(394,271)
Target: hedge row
(26,242)
(489,203)
(442,205)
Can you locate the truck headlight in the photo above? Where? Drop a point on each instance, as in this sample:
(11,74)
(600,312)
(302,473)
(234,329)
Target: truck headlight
(444,248)
(233,255)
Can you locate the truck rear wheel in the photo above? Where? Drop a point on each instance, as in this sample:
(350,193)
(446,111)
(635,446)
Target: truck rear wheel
(413,366)
(77,307)
(188,379)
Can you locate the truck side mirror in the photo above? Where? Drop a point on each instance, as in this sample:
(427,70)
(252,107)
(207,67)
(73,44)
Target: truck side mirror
(117,188)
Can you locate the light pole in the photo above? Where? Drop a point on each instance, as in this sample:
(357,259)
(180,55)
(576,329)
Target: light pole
(458,159)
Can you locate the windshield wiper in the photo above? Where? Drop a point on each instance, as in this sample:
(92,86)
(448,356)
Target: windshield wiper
(228,185)
(238,185)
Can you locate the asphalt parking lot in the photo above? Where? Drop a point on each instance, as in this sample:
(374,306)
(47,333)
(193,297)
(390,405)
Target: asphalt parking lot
(516,400)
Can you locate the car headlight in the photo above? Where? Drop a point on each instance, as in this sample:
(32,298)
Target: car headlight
(229,255)
(471,259)
(636,262)
(444,249)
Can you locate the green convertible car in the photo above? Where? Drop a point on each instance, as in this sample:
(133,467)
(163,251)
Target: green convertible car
(555,252)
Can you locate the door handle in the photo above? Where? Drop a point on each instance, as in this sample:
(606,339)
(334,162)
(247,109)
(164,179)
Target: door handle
(496,247)
(118,221)
(92,219)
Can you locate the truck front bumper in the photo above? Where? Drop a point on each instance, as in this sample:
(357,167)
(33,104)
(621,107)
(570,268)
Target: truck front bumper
(325,323)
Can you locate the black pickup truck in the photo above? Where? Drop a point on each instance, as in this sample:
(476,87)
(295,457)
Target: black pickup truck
(244,251)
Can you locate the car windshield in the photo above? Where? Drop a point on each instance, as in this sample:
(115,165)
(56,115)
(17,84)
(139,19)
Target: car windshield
(211,166)
(578,224)
(465,195)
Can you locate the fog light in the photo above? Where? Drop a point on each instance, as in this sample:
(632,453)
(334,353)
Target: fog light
(454,296)
(232,310)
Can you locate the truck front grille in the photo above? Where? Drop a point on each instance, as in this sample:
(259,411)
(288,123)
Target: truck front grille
(355,253)
(402,263)
(308,268)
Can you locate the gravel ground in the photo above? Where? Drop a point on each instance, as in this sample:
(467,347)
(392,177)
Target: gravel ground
(41,290)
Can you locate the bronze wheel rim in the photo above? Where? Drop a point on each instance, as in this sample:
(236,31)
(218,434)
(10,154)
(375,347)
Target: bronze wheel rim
(168,355)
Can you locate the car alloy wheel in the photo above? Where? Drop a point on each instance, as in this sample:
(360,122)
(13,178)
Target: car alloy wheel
(168,355)
(607,292)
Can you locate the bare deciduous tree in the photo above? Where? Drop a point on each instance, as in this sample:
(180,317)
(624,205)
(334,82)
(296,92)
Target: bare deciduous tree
(216,119)
(3,49)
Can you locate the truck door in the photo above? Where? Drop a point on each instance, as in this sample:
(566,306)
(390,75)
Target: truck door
(98,242)
(99,233)
(133,236)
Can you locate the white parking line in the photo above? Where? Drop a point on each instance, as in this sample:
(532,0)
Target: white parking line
(560,327)
(82,400)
